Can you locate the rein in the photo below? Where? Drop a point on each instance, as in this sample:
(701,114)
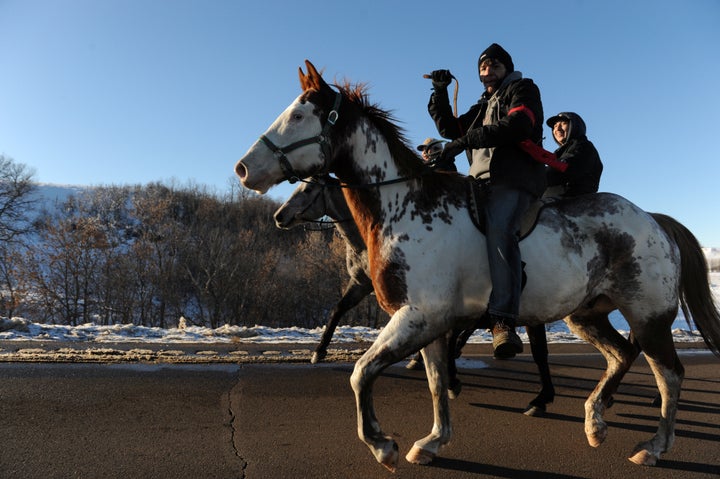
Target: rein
(360,186)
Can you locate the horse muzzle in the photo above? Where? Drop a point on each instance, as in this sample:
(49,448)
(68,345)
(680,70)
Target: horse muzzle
(283,220)
(253,177)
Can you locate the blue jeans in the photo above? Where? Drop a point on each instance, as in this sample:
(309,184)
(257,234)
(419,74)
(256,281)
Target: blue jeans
(504,209)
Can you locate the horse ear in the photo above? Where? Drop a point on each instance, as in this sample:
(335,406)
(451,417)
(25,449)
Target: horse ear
(303,79)
(312,71)
(313,80)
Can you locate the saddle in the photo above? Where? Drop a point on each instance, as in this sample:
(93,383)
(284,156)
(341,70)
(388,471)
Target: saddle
(477,192)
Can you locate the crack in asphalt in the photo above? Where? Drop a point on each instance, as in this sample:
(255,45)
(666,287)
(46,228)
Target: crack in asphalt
(233,427)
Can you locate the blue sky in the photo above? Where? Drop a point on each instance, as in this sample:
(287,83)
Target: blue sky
(111,92)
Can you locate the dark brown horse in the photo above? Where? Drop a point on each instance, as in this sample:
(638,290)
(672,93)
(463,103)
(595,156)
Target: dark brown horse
(311,201)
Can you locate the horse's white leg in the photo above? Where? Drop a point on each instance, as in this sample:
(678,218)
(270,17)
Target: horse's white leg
(669,372)
(366,370)
(619,353)
(406,332)
(436,368)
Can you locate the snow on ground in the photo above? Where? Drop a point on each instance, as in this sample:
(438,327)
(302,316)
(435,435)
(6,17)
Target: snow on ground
(22,329)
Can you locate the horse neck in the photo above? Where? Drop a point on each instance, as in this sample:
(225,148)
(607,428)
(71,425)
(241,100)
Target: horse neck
(338,210)
(366,161)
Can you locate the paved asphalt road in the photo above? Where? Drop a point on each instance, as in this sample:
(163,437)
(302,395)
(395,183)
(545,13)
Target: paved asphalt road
(290,420)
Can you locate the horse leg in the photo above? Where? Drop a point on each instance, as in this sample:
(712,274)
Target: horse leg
(669,373)
(453,352)
(538,346)
(595,328)
(436,366)
(353,294)
(657,400)
(406,332)
(454,384)
(461,338)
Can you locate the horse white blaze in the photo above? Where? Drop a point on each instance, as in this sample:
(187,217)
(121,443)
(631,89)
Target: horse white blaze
(259,169)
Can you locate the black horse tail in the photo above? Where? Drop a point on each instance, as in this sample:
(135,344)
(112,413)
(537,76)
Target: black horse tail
(696,298)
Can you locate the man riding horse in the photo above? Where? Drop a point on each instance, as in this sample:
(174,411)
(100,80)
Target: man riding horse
(508,112)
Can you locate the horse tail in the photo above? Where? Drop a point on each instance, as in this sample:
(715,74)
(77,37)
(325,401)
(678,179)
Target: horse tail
(695,294)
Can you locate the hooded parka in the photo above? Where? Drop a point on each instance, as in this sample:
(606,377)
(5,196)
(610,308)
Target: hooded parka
(584,166)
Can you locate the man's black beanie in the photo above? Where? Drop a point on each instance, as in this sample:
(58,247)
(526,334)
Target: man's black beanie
(496,52)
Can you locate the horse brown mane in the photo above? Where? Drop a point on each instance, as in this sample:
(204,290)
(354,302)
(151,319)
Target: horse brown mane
(408,161)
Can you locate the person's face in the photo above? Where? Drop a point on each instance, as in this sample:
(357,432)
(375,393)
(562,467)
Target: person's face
(492,73)
(432,152)
(560,131)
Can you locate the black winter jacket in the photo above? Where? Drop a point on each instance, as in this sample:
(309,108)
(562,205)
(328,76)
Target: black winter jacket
(493,136)
(584,166)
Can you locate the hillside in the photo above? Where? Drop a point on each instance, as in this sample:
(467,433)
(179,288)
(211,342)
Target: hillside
(52,194)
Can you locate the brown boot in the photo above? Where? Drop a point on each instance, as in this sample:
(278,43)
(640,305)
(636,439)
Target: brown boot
(506,342)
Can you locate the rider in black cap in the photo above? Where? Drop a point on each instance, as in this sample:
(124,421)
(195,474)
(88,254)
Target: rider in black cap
(508,112)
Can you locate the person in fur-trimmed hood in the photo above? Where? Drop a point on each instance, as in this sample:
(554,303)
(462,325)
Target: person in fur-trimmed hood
(584,166)
(508,113)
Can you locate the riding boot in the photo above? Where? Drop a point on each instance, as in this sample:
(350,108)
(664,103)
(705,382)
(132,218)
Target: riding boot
(506,342)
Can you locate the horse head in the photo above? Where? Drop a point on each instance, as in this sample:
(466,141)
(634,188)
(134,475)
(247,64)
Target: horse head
(298,144)
(311,200)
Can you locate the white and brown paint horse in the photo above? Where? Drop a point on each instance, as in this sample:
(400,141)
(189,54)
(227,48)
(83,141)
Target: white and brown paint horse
(429,268)
(322,197)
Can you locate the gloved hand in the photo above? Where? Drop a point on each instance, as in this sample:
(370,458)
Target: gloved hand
(441,78)
(452,149)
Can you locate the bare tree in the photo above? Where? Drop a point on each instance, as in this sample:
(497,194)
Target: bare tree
(151,254)
(16,199)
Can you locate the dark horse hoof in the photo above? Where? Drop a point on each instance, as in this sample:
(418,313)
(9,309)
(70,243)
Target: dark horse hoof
(454,388)
(415,365)
(535,410)
(318,356)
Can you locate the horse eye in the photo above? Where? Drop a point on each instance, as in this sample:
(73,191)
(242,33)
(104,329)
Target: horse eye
(297,116)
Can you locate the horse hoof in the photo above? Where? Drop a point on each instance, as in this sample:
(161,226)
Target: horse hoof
(418,455)
(644,458)
(454,389)
(414,365)
(388,455)
(535,411)
(596,439)
(317,357)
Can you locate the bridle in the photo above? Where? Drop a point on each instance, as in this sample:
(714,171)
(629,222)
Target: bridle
(323,182)
(322,139)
